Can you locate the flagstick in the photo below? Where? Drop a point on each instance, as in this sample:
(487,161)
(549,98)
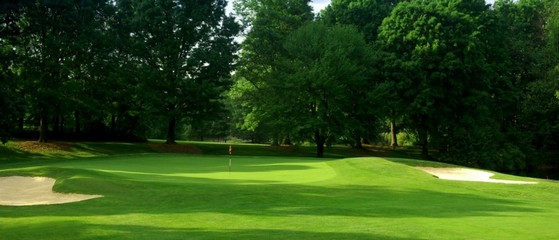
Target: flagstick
(230,154)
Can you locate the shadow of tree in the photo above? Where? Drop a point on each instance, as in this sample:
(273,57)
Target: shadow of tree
(13,155)
(275,200)
(79,230)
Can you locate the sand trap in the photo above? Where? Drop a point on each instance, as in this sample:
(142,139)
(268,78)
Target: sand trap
(465,174)
(29,191)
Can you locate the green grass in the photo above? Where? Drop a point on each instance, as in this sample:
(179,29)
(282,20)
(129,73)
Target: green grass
(177,196)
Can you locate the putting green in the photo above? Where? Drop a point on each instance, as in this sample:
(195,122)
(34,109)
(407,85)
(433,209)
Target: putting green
(179,168)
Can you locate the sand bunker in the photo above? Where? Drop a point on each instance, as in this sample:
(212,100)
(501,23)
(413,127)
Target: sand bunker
(464,174)
(28,191)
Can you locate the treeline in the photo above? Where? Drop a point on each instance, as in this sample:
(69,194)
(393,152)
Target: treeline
(468,82)
(112,69)
(465,81)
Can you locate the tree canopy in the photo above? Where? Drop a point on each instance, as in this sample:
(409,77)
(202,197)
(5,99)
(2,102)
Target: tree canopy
(120,63)
(466,82)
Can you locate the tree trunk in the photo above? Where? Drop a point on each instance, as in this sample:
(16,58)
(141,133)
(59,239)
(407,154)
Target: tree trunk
(21,122)
(56,125)
(423,139)
(358,141)
(393,135)
(113,124)
(171,130)
(43,127)
(393,130)
(275,140)
(77,129)
(61,126)
(287,141)
(319,144)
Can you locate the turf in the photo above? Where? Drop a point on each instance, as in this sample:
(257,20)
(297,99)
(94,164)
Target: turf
(177,196)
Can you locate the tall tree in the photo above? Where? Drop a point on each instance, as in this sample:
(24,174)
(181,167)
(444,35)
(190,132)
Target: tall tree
(314,89)
(530,109)
(269,23)
(10,14)
(187,46)
(367,16)
(437,50)
(49,37)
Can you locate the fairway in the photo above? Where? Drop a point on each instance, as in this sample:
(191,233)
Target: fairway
(173,196)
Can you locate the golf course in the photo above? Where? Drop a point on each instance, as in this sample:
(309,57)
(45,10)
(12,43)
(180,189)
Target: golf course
(152,195)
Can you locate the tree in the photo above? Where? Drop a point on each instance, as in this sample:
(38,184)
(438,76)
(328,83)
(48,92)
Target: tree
(366,15)
(10,13)
(55,48)
(49,31)
(530,109)
(313,91)
(188,50)
(269,23)
(437,52)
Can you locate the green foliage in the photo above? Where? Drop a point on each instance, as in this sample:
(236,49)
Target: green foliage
(437,51)
(476,84)
(9,106)
(322,80)
(271,22)
(532,111)
(104,68)
(367,15)
(188,56)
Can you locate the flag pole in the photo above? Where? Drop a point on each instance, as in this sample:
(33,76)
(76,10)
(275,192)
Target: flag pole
(230,154)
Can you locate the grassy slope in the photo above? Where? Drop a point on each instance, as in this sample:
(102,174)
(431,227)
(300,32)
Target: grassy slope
(173,196)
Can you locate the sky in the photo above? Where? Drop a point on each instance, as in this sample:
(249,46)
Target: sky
(318,5)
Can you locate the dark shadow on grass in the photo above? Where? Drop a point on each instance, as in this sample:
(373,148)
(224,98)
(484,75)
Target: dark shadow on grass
(79,230)
(14,155)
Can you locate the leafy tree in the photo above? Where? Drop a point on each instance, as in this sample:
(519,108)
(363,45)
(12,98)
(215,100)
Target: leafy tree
(366,15)
(269,23)
(9,103)
(530,109)
(241,98)
(54,46)
(187,49)
(314,89)
(437,52)
(47,31)
(10,13)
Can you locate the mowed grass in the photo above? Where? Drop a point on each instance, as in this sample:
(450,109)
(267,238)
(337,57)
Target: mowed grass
(178,196)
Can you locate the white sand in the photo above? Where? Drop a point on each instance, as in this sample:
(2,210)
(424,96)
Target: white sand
(29,191)
(465,174)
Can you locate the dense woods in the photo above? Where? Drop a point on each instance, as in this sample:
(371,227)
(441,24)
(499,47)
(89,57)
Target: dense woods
(464,81)
(114,69)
